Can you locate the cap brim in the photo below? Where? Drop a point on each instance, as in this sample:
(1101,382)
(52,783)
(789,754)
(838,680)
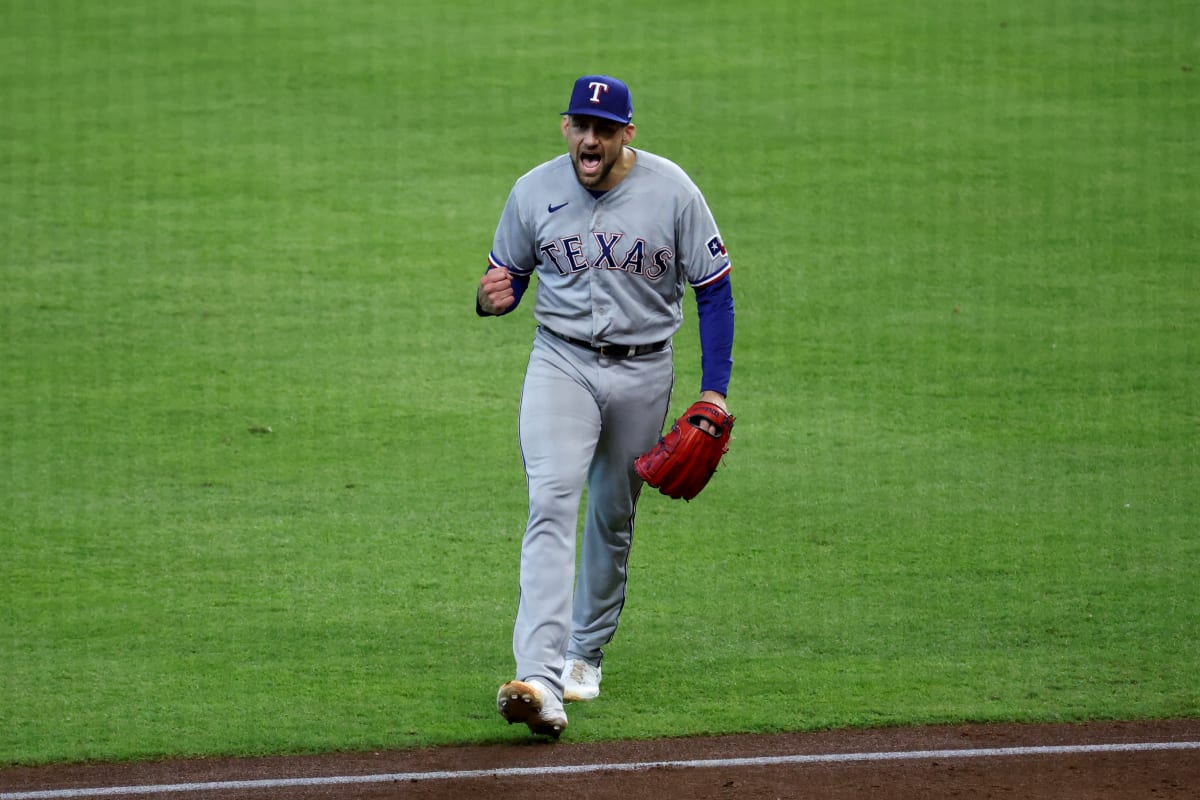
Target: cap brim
(591,112)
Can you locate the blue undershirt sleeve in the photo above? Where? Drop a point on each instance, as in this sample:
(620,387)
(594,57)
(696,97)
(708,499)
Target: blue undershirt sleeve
(714,307)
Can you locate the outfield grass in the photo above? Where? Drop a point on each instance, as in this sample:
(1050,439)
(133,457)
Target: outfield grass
(260,484)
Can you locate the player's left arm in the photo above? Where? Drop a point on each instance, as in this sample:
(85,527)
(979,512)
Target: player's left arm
(714,309)
(706,266)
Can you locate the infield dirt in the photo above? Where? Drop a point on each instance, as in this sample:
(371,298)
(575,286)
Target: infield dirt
(1107,775)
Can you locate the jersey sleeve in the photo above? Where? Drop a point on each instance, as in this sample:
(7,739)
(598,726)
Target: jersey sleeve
(702,252)
(513,246)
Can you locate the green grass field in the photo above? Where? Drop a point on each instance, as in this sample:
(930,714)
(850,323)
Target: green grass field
(260,489)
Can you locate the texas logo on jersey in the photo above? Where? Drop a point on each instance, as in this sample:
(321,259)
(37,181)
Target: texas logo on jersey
(566,254)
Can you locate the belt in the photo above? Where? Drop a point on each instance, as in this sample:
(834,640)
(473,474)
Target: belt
(611,350)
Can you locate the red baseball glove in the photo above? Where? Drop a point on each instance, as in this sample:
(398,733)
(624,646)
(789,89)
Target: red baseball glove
(682,462)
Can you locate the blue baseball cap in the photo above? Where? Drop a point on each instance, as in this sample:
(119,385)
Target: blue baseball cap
(601,96)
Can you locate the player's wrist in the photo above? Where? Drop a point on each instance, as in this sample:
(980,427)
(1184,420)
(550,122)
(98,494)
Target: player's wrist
(714,397)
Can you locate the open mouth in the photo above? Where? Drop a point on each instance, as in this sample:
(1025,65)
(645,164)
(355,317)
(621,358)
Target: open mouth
(590,161)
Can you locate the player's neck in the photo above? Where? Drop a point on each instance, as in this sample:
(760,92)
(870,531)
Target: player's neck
(619,171)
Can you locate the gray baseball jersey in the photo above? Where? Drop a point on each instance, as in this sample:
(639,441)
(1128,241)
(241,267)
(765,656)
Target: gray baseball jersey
(610,270)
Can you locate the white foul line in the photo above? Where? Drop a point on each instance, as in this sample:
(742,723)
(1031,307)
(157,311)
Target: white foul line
(578,769)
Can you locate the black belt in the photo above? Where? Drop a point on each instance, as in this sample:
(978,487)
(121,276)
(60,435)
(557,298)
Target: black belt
(612,350)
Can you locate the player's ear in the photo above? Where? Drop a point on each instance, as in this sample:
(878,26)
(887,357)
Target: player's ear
(566,123)
(630,132)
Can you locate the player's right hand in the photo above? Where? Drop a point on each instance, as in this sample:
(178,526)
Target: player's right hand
(495,291)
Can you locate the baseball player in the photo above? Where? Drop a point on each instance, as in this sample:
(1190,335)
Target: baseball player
(615,235)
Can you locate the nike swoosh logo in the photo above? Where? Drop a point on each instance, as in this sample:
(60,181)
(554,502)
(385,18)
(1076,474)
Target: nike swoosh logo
(552,208)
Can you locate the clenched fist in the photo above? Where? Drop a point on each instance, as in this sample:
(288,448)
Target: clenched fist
(496,291)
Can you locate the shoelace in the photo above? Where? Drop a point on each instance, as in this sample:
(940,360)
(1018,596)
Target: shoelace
(577,671)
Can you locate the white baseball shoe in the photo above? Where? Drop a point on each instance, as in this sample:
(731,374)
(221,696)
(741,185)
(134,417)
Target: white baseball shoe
(581,681)
(533,703)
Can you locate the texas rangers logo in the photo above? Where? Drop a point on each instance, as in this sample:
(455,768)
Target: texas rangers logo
(597,87)
(716,247)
